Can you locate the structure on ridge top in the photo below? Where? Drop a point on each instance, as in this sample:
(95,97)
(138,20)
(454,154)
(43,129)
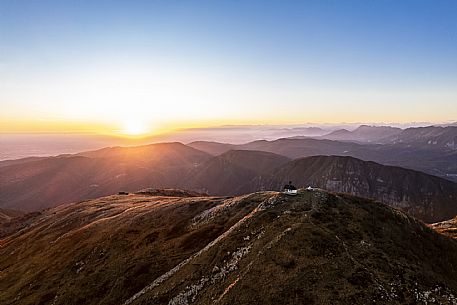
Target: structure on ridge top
(289,189)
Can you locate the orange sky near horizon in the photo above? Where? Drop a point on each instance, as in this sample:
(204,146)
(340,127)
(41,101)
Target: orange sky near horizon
(143,100)
(157,66)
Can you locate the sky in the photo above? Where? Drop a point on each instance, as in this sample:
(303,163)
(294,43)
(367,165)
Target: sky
(134,67)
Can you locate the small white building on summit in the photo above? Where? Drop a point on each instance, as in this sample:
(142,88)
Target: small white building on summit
(289,189)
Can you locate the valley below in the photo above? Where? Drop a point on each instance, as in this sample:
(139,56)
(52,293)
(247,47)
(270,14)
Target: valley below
(208,223)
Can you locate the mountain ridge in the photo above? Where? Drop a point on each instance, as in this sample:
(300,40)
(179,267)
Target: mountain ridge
(68,178)
(261,248)
(363,133)
(225,174)
(427,197)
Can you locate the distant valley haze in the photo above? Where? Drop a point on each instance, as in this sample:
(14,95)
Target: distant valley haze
(21,145)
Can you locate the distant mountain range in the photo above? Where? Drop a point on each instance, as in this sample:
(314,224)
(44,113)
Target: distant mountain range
(37,184)
(440,137)
(212,148)
(424,196)
(227,174)
(428,149)
(262,248)
(363,133)
(427,197)
(46,182)
(431,136)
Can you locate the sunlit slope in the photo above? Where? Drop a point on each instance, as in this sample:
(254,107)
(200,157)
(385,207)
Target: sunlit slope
(447,227)
(47,182)
(262,248)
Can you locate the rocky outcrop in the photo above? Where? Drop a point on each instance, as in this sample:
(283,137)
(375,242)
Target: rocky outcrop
(424,196)
(447,227)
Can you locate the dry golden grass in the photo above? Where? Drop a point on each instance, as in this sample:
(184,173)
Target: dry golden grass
(262,248)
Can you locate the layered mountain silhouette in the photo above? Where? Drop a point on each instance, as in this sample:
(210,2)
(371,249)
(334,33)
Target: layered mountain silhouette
(262,248)
(212,148)
(33,185)
(364,133)
(441,137)
(227,174)
(427,197)
(431,136)
(428,149)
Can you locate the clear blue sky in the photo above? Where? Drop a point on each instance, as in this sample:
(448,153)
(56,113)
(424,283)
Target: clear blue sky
(230,61)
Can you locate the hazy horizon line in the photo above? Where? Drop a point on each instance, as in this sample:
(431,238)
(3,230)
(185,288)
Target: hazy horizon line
(411,124)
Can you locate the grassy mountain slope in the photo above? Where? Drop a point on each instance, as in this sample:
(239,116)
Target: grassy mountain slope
(212,148)
(6,215)
(262,248)
(45,183)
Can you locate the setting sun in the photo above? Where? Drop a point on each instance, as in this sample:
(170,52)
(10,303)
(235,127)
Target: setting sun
(231,152)
(134,127)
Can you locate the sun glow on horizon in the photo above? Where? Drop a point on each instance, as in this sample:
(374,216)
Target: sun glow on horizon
(142,70)
(134,127)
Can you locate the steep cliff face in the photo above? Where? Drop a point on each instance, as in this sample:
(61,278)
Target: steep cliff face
(416,149)
(436,137)
(262,248)
(424,196)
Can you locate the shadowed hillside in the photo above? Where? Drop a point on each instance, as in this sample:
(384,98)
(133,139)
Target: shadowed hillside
(7,215)
(424,196)
(262,248)
(212,148)
(226,174)
(47,182)
(430,136)
(435,154)
(33,185)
